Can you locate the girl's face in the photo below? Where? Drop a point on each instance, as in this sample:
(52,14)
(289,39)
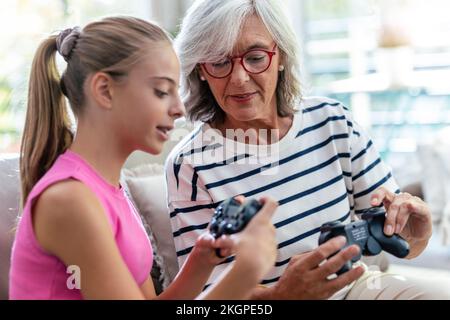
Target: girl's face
(147,102)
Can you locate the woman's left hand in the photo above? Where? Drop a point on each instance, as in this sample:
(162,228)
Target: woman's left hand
(407,215)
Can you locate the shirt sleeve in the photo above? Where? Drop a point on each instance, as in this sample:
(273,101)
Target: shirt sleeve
(369,171)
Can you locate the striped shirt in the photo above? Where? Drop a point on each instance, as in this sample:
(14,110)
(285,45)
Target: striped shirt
(325,168)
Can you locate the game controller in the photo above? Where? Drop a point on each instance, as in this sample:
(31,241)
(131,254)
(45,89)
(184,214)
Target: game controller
(232,217)
(367,234)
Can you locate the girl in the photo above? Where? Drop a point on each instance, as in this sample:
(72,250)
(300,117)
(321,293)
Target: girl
(121,81)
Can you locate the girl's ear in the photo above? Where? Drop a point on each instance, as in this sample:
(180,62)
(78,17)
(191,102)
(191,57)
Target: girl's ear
(101,87)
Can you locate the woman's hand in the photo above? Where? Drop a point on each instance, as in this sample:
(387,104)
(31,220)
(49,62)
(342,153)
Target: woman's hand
(307,275)
(408,216)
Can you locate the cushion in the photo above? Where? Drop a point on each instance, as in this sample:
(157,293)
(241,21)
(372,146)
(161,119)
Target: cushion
(9,208)
(435,160)
(146,184)
(433,180)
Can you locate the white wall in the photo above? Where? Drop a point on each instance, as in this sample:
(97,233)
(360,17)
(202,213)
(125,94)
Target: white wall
(168,13)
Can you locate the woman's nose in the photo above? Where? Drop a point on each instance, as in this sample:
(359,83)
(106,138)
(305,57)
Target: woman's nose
(239,75)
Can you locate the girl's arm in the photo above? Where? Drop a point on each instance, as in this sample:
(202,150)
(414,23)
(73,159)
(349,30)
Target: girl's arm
(192,277)
(255,254)
(70,223)
(236,282)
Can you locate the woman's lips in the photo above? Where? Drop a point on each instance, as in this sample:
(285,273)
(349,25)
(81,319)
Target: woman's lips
(243,97)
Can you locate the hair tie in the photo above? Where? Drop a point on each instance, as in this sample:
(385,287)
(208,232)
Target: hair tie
(66,40)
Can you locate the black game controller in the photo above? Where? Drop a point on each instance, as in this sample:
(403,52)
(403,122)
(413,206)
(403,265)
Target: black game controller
(231,217)
(367,234)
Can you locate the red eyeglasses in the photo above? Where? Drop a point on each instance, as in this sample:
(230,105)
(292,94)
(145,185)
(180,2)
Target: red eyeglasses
(253,61)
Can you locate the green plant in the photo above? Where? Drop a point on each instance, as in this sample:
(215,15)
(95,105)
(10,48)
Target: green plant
(7,129)
(5,96)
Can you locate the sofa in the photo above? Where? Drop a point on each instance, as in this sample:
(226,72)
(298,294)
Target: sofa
(9,207)
(135,181)
(143,180)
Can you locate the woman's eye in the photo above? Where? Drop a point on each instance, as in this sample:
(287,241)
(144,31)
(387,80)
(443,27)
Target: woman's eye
(254,58)
(160,93)
(221,64)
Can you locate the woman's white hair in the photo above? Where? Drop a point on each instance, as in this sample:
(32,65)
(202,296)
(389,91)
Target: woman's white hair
(209,32)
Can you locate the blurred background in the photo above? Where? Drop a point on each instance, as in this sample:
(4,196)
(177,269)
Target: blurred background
(387,60)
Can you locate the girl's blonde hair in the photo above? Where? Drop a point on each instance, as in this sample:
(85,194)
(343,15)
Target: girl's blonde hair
(111,45)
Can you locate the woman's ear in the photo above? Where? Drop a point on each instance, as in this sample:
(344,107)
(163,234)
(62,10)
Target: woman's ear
(101,87)
(201,73)
(281,61)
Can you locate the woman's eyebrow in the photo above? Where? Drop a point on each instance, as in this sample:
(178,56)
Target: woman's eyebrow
(257,45)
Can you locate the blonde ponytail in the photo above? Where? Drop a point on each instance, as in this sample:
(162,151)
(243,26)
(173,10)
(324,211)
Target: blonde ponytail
(46,132)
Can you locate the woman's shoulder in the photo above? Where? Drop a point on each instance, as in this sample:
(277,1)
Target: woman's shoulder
(325,115)
(323,106)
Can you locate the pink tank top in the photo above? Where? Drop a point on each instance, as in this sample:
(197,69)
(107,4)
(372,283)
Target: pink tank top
(35,274)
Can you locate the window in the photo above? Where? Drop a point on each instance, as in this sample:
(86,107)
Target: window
(389,61)
(24,23)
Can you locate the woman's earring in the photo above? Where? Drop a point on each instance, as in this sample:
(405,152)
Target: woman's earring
(281,68)
(202,78)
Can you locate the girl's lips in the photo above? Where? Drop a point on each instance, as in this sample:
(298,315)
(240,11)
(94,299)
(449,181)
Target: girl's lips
(163,132)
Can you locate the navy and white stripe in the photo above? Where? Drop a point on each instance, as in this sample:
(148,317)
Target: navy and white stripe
(324,169)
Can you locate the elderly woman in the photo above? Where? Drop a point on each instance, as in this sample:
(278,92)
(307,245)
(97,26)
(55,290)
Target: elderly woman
(259,136)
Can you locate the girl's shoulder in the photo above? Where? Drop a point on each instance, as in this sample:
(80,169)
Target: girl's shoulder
(65,206)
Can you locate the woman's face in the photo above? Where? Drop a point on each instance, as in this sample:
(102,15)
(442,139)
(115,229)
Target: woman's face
(148,101)
(243,96)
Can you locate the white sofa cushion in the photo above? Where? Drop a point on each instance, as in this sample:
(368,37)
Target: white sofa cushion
(9,208)
(147,187)
(435,178)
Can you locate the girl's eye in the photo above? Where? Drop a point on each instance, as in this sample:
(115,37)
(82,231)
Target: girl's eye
(160,93)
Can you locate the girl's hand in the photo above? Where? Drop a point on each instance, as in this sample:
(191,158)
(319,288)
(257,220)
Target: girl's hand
(256,247)
(206,246)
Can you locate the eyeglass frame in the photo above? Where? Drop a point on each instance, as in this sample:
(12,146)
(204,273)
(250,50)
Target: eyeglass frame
(241,58)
